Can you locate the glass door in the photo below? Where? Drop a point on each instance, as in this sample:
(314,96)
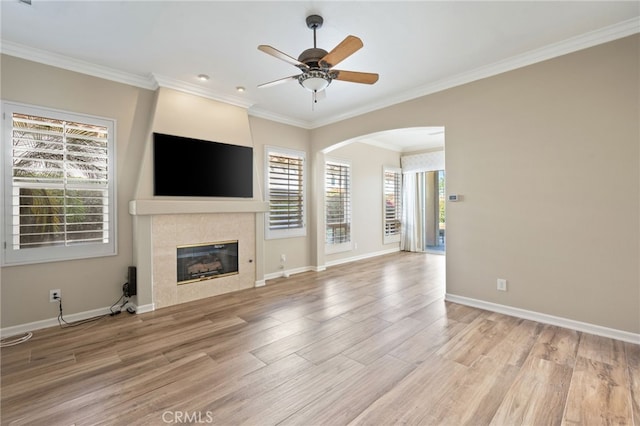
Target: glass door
(435,212)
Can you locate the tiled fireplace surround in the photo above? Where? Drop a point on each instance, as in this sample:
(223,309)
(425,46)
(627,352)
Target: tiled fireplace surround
(161,226)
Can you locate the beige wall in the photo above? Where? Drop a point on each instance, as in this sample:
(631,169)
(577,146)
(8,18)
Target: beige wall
(547,159)
(183,114)
(92,283)
(367,164)
(296,250)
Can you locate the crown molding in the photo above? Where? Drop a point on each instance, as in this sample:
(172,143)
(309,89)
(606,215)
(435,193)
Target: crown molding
(153,81)
(76,65)
(268,115)
(194,89)
(573,44)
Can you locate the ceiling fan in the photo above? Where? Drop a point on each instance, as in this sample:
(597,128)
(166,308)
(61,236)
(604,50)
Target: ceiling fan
(317,64)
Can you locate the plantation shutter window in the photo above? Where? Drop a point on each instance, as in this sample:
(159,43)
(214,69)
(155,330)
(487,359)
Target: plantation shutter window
(286,193)
(392,202)
(59,191)
(337,202)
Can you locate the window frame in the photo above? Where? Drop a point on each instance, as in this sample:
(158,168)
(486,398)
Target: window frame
(332,247)
(301,231)
(392,237)
(33,255)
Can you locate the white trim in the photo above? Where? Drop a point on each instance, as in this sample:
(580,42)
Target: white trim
(347,245)
(260,283)
(546,319)
(13,257)
(362,257)
(203,92)
(52,322)
(159,206)
(278,118)
(142,309)
(288,272)
(393,238)
(322,268)
(76,65)
(274,234)
(570,45)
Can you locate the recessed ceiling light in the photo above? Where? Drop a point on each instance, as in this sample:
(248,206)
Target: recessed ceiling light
(203,77)
(240,89)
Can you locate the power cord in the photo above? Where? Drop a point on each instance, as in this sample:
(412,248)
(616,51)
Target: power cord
(65,324)
(126,300)
(12,341)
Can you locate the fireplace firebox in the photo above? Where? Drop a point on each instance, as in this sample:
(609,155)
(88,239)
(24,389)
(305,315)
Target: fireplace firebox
(206,261)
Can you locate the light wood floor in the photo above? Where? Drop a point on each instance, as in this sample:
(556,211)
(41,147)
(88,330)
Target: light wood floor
(371,342)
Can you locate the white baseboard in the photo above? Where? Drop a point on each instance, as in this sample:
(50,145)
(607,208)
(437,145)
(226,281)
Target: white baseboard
(287,272)
(260,283)
(362,257)
(141,309)
(321,268)
(546,319)
(51,322)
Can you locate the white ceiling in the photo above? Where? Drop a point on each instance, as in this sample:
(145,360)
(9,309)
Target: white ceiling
(417,47)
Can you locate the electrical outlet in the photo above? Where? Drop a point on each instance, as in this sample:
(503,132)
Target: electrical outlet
(54,295)
(283,258)
(502,284)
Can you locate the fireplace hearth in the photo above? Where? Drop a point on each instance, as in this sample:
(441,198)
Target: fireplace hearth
(199,262)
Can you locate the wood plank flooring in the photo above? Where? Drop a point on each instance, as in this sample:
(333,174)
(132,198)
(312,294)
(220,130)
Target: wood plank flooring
(366,343)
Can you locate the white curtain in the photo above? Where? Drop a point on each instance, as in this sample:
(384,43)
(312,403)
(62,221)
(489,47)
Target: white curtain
(414,181)
(414,218)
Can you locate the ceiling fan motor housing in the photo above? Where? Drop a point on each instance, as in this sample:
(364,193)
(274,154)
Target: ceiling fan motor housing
(312,57)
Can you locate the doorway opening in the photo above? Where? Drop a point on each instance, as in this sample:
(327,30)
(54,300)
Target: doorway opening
(435,212)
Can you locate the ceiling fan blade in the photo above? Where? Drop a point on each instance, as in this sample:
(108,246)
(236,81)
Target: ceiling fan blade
(346,48)
(282,56)
(354,76)
(278,81)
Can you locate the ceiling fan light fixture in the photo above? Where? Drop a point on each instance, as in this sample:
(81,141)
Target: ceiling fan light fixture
(315,80)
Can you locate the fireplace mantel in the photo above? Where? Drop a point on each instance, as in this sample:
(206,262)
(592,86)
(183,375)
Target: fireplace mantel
(158,207)
(160,226)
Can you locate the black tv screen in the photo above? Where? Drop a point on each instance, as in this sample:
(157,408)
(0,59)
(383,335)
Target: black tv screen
(188,167)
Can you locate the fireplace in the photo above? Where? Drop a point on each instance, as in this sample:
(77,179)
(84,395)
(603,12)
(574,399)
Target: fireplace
(199,262)
(163,225)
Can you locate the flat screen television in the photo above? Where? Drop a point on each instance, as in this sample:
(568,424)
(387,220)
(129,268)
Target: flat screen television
(187,167)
